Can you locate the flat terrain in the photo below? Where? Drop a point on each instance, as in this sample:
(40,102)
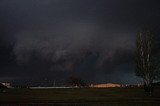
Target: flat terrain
(80,96)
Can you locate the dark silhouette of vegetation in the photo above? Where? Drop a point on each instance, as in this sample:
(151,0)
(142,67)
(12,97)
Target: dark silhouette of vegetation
(76,82)
(146,61)
(156,84)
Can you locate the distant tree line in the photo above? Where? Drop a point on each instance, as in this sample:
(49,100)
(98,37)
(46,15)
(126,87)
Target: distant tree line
(74,81)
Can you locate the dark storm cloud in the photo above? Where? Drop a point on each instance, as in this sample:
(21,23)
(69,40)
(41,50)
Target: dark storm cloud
(93,37)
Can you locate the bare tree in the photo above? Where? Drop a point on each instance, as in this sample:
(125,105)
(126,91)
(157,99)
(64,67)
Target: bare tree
(146,65)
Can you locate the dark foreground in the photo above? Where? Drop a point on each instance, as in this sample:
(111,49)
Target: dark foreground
(79,97)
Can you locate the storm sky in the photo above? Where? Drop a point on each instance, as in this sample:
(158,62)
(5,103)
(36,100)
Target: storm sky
(43,41)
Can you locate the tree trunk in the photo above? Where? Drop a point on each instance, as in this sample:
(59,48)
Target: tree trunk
(148,88)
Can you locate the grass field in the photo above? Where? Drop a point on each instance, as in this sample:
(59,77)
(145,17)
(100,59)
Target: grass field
(80,96)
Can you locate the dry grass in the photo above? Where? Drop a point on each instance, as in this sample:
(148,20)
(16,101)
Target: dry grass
(81,96)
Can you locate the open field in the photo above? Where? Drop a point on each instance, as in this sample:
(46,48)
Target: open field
(80,96)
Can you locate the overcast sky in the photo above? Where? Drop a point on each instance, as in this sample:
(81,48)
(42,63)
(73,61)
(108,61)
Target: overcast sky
(54,39)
